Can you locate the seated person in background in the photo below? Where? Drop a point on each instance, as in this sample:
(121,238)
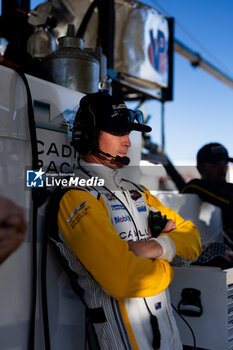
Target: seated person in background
(212,164)
(12,227)
(103,234)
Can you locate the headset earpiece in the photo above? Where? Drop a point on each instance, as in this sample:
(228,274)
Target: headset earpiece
(84,135)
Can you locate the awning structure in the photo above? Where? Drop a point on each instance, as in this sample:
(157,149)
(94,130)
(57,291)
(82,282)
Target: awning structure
(198,61)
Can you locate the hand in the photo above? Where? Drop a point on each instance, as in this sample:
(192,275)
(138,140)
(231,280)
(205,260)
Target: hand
(170,225)
(147,249)
(12,227)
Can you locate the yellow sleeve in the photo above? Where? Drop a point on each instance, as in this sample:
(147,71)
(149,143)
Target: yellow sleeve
(87,229)
(186,236)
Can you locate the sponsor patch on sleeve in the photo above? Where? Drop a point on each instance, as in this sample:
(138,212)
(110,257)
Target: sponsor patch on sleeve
(78,214)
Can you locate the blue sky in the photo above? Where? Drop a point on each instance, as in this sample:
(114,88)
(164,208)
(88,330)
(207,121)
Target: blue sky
(202,108)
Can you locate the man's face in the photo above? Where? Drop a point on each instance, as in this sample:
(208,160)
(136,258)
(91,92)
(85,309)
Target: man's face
(112,143)
(214,173)
(115,144)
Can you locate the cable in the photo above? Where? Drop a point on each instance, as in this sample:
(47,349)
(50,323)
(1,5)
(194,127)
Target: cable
(193,335)
(44,298)
(83,26)
(32,129)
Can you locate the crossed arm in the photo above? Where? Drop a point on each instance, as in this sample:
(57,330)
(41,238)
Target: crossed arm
(150,249)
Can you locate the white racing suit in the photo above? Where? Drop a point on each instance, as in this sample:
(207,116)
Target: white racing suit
(121,290)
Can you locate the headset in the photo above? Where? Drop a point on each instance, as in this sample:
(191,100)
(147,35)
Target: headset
(85,134)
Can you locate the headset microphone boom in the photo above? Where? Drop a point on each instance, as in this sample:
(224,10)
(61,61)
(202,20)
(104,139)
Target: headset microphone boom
(123,160)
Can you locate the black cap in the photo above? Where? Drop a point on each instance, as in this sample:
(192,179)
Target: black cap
(212,153)
(111,114)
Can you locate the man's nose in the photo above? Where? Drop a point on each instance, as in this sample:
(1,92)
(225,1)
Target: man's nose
(127,141)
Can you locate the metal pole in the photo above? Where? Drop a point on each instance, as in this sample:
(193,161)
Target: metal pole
(197,61)
(163,127)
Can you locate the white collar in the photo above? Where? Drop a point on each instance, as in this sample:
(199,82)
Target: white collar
(111,176)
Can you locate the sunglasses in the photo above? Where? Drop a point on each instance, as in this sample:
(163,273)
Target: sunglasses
(128,115)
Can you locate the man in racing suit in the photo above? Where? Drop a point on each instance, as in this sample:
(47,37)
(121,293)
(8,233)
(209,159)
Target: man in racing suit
(103,235)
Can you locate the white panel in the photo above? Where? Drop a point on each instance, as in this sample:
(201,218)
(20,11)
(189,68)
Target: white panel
(211,328)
